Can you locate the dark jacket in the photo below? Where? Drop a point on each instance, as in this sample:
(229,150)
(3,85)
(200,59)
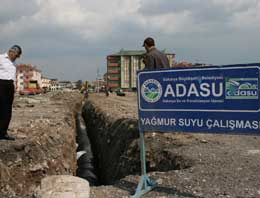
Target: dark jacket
(155,59)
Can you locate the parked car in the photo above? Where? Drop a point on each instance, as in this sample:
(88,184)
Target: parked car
(120,92)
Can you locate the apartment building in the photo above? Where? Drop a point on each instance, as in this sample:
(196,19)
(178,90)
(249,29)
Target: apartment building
(122,68)
(26,76)
(46,83)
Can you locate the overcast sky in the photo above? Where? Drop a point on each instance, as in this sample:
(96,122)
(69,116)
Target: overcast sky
(70,39)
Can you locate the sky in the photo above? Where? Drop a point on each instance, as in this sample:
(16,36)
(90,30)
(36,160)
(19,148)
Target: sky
(70,39)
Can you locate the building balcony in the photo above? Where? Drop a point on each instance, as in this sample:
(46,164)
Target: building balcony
(113,71)
(113,85)
(113,78)
(113,64)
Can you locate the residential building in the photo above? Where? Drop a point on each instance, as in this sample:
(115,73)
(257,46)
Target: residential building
(99,84)
(122,68)
(54,85)
(74,85)
(46,83)
(25,74)
(65,85)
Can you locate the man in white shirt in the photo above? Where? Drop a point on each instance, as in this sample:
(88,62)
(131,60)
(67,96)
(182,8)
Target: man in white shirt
(7,89)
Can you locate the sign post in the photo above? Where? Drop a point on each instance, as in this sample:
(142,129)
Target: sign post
(215,99)
(145,184)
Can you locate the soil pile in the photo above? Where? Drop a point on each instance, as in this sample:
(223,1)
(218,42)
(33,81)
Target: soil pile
(44,127)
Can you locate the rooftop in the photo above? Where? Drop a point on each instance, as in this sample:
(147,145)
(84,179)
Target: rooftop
(123,52)
(24,67)
(129,53)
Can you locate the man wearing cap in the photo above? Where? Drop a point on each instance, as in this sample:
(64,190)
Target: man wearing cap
(7,89)
(154,59)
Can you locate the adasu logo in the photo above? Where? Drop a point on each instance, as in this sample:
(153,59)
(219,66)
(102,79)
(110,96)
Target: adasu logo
(151,90)
(242,88)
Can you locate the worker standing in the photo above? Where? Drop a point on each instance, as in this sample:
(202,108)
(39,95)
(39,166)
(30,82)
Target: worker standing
(154,59)
(7,88)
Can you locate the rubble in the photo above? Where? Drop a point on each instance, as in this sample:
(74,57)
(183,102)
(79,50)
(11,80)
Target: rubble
(44,128)
(63,186)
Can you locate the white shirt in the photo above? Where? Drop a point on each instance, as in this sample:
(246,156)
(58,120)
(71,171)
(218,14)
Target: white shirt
(7,68)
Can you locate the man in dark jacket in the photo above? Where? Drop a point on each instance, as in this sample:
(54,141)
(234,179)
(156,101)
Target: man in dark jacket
(154,59)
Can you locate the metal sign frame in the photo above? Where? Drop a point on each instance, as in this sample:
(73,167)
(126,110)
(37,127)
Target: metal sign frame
(145,184)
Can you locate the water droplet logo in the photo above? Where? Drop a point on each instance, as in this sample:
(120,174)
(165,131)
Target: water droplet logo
(151,90)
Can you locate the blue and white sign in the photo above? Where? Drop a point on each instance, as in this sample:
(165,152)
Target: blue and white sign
(219,99)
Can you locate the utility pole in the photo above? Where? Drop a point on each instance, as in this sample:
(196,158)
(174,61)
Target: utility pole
(98,77)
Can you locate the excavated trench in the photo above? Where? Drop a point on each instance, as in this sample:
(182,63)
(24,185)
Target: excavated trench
(108,149)
(85,159)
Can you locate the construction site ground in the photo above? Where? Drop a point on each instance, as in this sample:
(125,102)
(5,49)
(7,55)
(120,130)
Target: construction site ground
(44,128)
(199,165)
(205,165)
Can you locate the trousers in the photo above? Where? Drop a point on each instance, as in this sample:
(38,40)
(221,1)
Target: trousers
(6,103)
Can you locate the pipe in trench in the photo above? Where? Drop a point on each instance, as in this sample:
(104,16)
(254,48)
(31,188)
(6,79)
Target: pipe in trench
(85,158)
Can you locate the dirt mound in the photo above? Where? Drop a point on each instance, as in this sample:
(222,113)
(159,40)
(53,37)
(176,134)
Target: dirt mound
(44,127)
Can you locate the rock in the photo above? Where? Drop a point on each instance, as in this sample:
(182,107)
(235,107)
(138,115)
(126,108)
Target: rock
(39,167)
(63,186)
(18,160)
(19,147)
(4,173)
(27,149)
(30,105)
(32,101)
(21,136)
(253,152)
(203,141)
(56,110)
(159,181)
(17,106)
(10,163)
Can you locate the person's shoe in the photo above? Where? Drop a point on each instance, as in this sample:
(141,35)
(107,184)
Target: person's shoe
(6,137)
